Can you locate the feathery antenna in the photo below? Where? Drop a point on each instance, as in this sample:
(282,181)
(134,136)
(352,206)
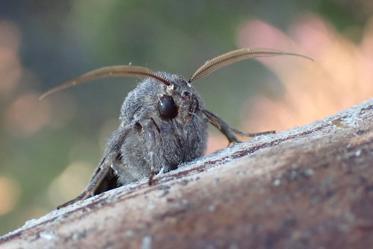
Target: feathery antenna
(236,56)
(103,72)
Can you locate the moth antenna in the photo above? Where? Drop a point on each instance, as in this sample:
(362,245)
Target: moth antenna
(110,71)
(236,56)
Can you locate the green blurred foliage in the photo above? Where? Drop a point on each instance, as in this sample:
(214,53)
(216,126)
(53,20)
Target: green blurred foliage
(61,39)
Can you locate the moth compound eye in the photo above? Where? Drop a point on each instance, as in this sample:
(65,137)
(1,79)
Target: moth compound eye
(167,107)
(185,94)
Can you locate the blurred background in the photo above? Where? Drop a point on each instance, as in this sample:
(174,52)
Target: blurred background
(49,149)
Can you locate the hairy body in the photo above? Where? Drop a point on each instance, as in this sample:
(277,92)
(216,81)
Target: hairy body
(155,143)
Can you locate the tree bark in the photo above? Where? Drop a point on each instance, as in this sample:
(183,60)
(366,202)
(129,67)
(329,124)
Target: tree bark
(309,187)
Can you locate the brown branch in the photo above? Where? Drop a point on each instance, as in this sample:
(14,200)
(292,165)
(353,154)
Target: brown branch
(310,187)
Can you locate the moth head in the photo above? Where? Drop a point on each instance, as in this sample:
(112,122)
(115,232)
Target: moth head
(177,100)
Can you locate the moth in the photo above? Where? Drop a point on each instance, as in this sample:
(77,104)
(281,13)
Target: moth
(163,122)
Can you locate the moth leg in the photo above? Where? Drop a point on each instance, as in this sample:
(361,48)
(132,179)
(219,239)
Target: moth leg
(256,134)
(151,178)
(103,172)
(152,139)
(222,126)
(229,132)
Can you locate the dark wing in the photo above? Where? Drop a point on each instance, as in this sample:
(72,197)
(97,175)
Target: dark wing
(104,178)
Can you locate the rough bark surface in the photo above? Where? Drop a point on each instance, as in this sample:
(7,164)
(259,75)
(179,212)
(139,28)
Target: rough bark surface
(309,187)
